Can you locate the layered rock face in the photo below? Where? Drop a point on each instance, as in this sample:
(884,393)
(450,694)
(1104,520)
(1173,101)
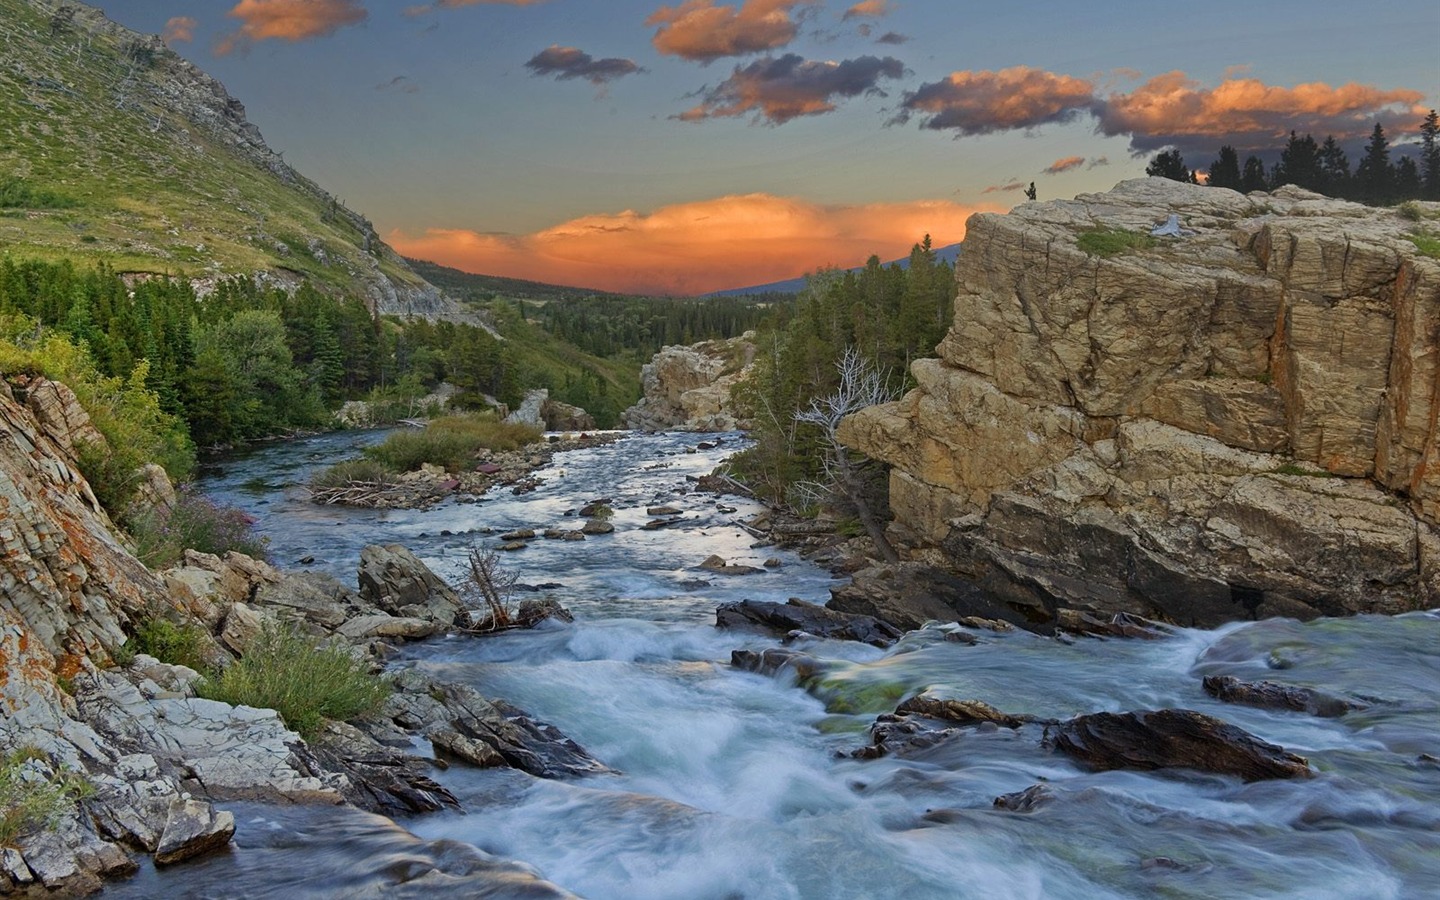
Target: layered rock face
(1237,423)
(688,388)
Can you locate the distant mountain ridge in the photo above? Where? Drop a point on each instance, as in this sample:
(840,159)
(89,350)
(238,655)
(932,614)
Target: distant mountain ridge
(117,149)
(795,285)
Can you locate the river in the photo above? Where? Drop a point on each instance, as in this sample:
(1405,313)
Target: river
(732,785)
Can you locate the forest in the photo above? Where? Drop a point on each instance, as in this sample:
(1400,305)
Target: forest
(1323,167)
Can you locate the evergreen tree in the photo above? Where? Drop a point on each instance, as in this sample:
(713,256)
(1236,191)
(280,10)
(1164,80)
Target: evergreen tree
(1299,163)
(1407,179)
(1334,169)
(1169,164)
(1374,177)
(1253,176)
(1225,171)
(1430,156)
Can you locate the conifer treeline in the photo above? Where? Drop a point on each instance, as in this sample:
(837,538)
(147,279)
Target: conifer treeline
(1324,167)
(889,314)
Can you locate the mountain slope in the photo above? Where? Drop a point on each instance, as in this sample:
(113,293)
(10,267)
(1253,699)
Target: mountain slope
(114,148)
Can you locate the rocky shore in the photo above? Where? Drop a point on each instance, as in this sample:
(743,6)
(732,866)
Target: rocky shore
(147,759)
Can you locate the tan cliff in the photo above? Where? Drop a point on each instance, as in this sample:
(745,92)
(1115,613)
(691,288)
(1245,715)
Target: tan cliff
(690,387)
(1233,423)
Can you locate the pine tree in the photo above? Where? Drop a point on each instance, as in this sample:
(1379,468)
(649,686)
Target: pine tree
(1168,164)
(1253,176)
(1374,176)
(1225,171)
(1407,179)
(1299,163)
(1430,156)
(1334,169)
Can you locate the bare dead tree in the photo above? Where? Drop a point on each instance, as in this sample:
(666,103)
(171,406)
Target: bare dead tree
(861,385)
(491,584)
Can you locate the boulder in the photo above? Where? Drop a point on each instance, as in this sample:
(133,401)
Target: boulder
(809,618)
(1175,738)
(192,828)
(394,580)
(531,409)
(719,566)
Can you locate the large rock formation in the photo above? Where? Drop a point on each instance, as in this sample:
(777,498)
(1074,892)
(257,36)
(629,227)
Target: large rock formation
(687,388)
(1237,423)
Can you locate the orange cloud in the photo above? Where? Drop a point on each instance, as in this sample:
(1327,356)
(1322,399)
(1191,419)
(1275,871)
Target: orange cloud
(1174,110)
(694,248)
(179,29)
(1064,165)
(985,102)
(867,8)
(700,31)
(288,20)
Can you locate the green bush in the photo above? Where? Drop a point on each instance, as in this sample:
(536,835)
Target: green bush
(450,442)
(1107,242)
(195,523)
(306,684)
(351,471)
(178,645)
(19,193)
(34,796)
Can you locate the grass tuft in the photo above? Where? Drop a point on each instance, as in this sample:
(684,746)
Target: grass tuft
(450,442)
(305,683)
(33,794)
(1108,242)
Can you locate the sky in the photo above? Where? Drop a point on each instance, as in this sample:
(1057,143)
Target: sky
(694,145)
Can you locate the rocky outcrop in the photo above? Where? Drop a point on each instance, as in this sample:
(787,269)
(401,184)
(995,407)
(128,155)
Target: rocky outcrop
(63,574)
(1234,424)
(806,618)
(688,388)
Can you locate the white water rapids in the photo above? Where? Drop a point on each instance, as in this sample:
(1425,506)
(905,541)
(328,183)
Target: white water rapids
(734,785)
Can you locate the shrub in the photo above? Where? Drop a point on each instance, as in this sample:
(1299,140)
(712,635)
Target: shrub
(306,684)
(450,442)
(352,471)
(195,523)
(17,192)
(1107,242)
(178,645)
(33,795)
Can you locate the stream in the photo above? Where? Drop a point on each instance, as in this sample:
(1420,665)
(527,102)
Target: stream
(732,785)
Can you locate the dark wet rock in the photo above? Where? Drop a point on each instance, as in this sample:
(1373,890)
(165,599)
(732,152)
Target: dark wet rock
(437,708)
(961,712)
(596,508)
(775,660)
(1270,695)
(395,580)
(519,534)
(573,536)
(719,566)
(907,595)
(662,511)
(597,526)
(1120,625)
(809,618)
(773,563)
(924,721)
(657,524)
(1028,800)
(1179,738)
(516,545)
(380,779)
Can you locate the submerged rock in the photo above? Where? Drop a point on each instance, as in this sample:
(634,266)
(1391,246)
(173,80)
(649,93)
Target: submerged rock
(1175,738)
(1269,695)
(815,620)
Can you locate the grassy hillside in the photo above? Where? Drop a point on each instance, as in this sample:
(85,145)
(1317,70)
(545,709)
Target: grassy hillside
(466,284)
(114,148)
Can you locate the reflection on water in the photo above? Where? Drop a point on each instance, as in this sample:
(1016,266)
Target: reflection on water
(733,785)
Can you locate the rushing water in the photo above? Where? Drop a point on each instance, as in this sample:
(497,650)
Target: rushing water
(733,785)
